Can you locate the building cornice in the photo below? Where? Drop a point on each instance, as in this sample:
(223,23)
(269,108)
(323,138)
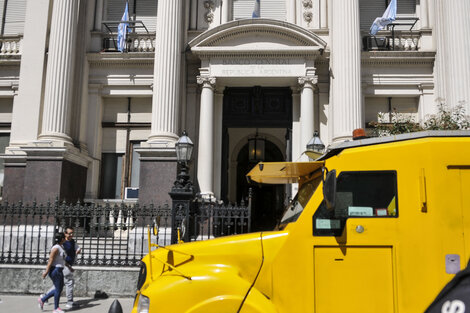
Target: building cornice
(10,60)
(397,58)
(111,59)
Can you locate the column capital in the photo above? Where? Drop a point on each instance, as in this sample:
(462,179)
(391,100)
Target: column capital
(308,81)
(206,81)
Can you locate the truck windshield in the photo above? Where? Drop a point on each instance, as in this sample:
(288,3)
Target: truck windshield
(297,205)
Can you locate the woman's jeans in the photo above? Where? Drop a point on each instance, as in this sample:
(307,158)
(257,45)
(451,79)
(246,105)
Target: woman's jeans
(58,279)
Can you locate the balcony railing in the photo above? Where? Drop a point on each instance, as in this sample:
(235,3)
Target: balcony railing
(139,39)
(136,42)
(399,41)
(10,45)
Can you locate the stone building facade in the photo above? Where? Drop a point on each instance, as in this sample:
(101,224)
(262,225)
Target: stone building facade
(81,120)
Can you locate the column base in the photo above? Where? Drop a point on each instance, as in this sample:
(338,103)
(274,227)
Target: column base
(55,139)
(158,170)
(44,173)
(163,138)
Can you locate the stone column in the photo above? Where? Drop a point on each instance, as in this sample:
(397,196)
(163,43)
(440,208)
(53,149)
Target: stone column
(226,7)
(306,109)
(27,106)
(60,72)
(345,68)
(167,72)
(424,13)
(296,131)
(206,137)
(193,18)
(323,14)
(291,10)
(158,167)
(218,137)
(94,137)
(323,111)
(296,124)
(453,52)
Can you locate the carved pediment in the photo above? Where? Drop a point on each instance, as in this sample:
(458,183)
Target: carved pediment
(254,36)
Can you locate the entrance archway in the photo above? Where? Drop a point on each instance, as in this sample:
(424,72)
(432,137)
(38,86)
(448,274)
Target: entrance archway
(267,200)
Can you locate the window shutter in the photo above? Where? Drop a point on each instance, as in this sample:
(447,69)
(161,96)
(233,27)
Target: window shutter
(115,10)
(15,16)
(146,11)
(242,9)
(406,7)
(274,9)
(369,11)
(2,3)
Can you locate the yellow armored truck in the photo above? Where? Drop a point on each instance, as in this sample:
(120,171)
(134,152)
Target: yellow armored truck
(378,225)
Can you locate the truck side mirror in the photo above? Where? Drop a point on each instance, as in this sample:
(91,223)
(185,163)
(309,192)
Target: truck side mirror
(329,189)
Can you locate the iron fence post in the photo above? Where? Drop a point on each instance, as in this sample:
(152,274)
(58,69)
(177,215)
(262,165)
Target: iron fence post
(182,195)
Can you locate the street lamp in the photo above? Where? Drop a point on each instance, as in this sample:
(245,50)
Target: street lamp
(256,146)
(184,149)
(315,147)
(182,192)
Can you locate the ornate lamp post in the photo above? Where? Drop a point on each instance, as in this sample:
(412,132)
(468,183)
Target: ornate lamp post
(182,192)
(315,147)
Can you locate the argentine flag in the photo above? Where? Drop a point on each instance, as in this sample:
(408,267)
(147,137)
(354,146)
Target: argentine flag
(389,16)
(122,30)
(256,10)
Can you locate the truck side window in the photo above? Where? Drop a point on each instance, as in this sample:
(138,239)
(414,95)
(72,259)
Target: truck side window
(297,205)
(358,194)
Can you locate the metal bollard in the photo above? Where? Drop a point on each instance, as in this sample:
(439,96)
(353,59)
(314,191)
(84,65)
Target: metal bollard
(115,307)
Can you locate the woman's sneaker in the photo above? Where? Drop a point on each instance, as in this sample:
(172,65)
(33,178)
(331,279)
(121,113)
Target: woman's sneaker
(72,305)
(58,310)
(40,303)
(45,302)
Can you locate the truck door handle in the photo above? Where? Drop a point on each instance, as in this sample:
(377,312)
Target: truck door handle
(359,229)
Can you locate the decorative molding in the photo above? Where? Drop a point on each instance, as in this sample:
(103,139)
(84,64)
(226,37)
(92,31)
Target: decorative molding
(112,59)
(307,14)
(307,4)
(267,27)
(398,57)
(256,54)
(307,81)
(206,81)
(209,14)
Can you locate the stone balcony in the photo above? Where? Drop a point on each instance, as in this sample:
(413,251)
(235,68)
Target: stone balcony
(10,45)
(399,40)
(136,42)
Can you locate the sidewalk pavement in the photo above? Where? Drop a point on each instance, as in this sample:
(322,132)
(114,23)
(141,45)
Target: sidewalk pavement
(29,304)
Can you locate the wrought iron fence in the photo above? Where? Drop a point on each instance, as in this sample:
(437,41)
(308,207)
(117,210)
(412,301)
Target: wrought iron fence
(109,235)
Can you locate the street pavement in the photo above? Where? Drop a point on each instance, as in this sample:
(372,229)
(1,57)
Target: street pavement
(29,304)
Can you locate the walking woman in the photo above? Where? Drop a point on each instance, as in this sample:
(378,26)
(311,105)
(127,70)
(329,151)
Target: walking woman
(54,268)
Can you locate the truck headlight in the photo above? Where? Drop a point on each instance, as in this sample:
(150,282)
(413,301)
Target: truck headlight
(143,305)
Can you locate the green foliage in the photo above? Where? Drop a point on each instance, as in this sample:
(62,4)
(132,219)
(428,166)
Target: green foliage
(445,119)
(448,119)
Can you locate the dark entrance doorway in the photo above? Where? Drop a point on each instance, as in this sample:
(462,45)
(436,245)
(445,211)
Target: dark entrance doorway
(256,107)
(267,200)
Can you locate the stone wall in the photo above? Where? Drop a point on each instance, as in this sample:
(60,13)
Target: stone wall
(26,279)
